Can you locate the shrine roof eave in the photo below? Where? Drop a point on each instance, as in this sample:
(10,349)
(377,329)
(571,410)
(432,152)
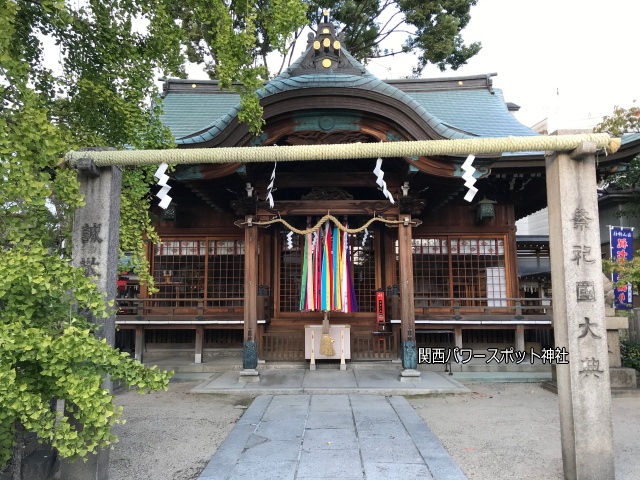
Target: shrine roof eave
(465,108)
(365,86)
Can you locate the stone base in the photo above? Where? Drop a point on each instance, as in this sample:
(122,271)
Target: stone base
(621,384)
(623,377)
(343,366)
(249,375)
(409,375)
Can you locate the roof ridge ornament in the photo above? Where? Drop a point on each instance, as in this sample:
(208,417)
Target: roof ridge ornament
(325,52)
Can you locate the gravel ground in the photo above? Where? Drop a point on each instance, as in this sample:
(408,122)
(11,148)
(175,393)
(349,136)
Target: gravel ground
(509,431)
(501,431)
(171,435)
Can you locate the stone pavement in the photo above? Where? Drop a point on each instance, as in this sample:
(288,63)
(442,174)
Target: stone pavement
(331,381)
(331,437)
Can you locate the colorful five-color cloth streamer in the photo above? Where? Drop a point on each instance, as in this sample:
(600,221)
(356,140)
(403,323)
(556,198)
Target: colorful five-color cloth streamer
(327,283)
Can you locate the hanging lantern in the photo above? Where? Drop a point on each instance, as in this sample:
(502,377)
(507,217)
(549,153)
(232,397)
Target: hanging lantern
(485,208)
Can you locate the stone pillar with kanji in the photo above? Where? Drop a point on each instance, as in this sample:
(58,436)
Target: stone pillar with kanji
(95,235)
(584,394)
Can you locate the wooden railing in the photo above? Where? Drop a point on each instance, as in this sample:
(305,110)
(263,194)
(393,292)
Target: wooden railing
(373,347)
(290,346)
(477,308)
(177,306)
(282,346)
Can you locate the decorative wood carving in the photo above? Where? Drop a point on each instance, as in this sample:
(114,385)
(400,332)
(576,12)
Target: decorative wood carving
(244,205)
(411,205)
(327,193)
(327,138)
(335,207)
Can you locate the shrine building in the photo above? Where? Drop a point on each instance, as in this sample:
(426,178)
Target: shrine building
(404,255)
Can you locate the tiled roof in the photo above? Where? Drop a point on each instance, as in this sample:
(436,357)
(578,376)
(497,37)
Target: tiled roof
(454,113)
(479,111)
(187,113)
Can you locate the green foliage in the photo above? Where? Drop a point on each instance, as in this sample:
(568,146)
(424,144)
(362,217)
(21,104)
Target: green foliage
(622,120)
(47,350)
(226,38)
(100,96)
(630,353)
(431,29)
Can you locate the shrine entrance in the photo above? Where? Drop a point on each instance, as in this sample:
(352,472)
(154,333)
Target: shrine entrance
(341,278)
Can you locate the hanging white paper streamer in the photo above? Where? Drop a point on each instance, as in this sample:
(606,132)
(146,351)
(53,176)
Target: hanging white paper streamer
(469,179)
(290,240)
(270,187)
(163,178)
(364,238)
(314,239)
(380,180)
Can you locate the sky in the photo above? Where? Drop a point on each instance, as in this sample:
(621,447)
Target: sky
(570,61)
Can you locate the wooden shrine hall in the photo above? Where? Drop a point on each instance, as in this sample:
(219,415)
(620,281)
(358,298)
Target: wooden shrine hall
(418,261)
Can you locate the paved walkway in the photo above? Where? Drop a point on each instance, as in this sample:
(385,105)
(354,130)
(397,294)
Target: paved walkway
(331,437)
(331,381)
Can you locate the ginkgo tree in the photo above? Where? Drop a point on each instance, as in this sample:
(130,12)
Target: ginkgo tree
(100,93)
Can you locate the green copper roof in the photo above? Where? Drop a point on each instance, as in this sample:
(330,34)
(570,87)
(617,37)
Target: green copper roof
(453,113)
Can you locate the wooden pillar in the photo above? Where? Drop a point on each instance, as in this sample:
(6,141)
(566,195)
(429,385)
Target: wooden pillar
(457,333)
(250,281)
(584,394)
(519,338)
(199,343)
(139,344)
(407,309)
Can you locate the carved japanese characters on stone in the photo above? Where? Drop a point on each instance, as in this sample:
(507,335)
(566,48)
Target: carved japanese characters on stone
(90,233)
(581,219)
(585,292)
(591,366)
(89,264)
(587,328)
(582,252)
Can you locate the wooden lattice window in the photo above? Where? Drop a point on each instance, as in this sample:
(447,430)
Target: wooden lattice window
(290,272)
(225,273)
(178,270)
(460,267)
(199,269)
(363,271)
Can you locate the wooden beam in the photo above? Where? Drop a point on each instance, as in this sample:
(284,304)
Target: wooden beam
(333,179)
(335,207)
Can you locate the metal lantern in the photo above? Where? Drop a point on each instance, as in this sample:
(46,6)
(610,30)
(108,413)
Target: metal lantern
(486,209)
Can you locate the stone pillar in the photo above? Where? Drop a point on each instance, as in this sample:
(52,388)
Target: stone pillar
(578,315)
(407,309)
(250,351)
(96,228)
